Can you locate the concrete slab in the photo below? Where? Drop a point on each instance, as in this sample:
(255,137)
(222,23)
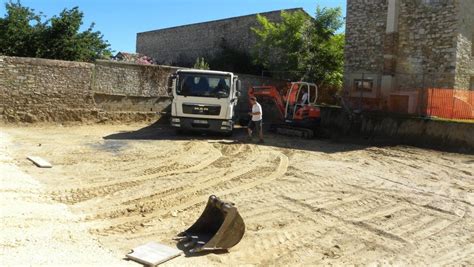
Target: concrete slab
(153,254)
(40,162)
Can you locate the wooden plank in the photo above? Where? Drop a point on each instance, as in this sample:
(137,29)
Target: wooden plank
(153,254)
(40,162)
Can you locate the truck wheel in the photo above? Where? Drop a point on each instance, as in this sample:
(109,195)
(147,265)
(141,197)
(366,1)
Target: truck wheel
(229,133)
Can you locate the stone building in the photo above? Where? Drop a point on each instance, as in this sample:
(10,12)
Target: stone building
(396,47)
(183,44)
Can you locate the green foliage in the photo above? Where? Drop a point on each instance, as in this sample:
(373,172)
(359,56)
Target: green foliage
(303,48)
(234,60)
(23,33)
(201,64)
(19,31)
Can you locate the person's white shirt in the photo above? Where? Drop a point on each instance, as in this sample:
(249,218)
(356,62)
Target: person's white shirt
(304,99)
(257,108)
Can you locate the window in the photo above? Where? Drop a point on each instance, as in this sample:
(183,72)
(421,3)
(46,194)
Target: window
(203,85)
(471,84)
(364,85)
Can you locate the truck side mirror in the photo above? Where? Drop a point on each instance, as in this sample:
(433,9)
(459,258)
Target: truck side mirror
(238,86)
(171,80)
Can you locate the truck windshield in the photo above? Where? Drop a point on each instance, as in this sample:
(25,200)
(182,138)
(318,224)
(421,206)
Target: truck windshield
(196,84)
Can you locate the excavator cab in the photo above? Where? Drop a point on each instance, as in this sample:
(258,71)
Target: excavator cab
(301,100)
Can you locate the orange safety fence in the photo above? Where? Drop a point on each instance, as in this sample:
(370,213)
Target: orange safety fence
(450,103)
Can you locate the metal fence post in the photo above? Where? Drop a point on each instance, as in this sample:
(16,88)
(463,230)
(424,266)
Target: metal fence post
(431,103)
(454,102)
(361,89)
(422,101)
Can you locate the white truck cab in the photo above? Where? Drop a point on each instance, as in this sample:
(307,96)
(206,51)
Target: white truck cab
(204,100)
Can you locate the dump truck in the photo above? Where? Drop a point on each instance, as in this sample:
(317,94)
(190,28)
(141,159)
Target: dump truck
(204,100)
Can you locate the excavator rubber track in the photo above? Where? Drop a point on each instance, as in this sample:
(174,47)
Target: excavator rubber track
(289,130)
(219,227)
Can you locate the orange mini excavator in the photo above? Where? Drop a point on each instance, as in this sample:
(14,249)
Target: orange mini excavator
(298,114)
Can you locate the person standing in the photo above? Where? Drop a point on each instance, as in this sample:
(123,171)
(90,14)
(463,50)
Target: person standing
(304,99)
(256,121)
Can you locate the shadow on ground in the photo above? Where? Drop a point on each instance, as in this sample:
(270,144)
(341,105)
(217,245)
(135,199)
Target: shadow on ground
(159,131)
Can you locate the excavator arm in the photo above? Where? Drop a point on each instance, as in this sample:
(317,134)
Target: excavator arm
(269,93)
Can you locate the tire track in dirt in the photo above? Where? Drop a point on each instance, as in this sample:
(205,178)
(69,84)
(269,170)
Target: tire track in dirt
(174,194)
(310,212)
(334,206)
(76,195)
(461,256)
(127,163)
(447,247)
(173,188)
(267,246)
(406,220)
(136,222)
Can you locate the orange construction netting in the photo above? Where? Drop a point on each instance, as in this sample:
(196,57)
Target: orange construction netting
(450,103)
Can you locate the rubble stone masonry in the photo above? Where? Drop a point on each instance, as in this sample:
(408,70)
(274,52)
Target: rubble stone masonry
(465,49)
(430,47)
(40,90)
(365,33)
(43,90)
(35,90)
(183,44)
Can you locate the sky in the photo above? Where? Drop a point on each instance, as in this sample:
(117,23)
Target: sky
(120,20)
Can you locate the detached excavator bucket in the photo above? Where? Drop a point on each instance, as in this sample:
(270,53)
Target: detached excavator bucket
(219,227)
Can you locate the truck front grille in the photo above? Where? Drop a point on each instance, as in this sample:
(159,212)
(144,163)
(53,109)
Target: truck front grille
(201,109)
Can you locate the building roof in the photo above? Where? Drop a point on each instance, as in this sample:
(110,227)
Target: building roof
(133,58)
(231,18)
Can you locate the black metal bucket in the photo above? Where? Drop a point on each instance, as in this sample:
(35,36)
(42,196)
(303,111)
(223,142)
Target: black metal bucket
(219,227)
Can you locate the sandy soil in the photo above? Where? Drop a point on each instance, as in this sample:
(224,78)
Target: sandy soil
(303,202)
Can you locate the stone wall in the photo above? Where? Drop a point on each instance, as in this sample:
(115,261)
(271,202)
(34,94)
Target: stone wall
(429,44)
(465,51)
(379,128)
(364,49)
(131,79)
(182,45)
(42,90)
(45,90)
(130,87)
(365,33)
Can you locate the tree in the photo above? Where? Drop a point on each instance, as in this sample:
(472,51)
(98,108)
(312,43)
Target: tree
(23,33)
(20,30)
(234,60)
(201,64)
(303,48)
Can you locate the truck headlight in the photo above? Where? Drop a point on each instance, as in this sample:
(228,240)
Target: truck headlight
(175,120)
(226,123)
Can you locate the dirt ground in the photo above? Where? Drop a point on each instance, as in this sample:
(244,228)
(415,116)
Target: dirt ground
(303,201)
